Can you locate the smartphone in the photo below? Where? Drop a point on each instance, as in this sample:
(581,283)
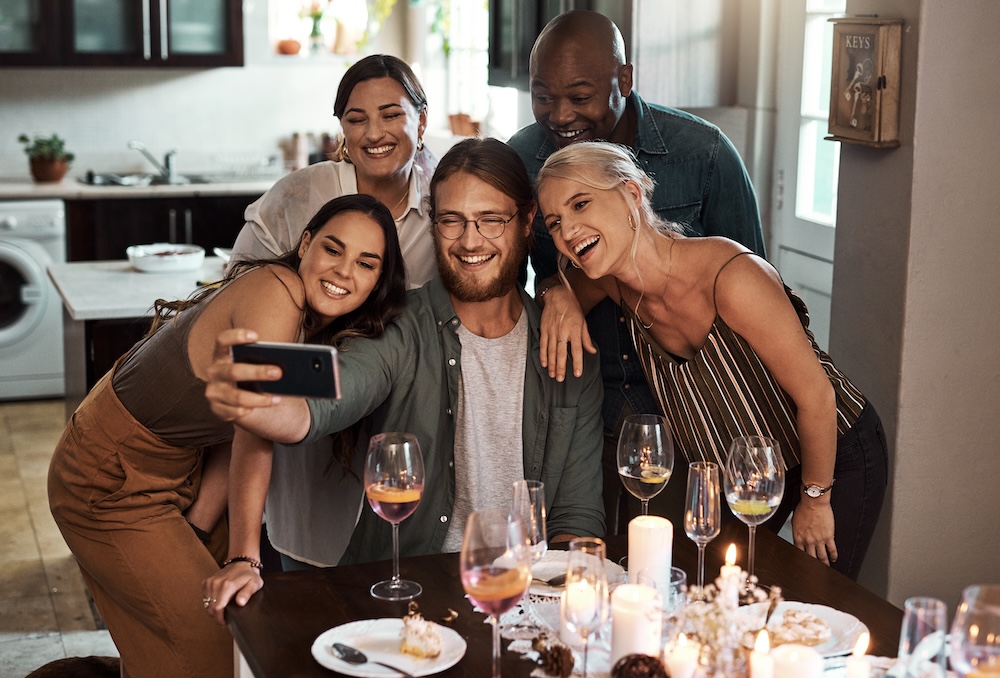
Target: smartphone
(307,370)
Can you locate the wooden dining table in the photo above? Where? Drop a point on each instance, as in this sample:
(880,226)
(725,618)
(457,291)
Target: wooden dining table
(274,632)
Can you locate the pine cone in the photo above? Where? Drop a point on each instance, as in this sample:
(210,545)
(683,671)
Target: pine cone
(555,658)
(639,666)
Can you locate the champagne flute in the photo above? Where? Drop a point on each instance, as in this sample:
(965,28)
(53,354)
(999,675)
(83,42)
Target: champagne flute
(529,503)
(394,481)
(645,456)
(702,509)
(584,603)
(975,633)
(754,480)
(495,566)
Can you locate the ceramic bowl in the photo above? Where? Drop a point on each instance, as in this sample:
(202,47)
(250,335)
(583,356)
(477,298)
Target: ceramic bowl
(166,257)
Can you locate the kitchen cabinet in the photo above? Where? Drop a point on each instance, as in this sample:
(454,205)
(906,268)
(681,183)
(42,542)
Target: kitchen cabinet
(143,33)
(103,228)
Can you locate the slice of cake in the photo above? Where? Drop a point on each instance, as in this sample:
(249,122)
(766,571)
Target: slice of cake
(799,626)
(421,638)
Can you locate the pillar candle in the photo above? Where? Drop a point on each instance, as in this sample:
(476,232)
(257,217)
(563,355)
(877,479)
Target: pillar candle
(796,661)
(730,579)
(681,657)
(761,663)
(857,665)
(636,621)
(650,550)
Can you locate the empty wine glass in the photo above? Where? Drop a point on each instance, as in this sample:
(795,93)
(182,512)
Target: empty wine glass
(394,481)
(922,638)
(702,508)
(584,603)
(645,456)
(529,503)
(975,633)
(495,566)
(754,480)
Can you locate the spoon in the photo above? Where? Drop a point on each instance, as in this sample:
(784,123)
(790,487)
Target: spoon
(356,657)
(555,582)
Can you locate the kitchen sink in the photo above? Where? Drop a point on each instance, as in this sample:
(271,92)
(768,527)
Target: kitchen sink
(141,179)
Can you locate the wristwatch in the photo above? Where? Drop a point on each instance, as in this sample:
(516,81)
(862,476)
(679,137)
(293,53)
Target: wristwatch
(817,491)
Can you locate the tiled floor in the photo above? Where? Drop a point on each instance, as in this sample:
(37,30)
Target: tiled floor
(44,610)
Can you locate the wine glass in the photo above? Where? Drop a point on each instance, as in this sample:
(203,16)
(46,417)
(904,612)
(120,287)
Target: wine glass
(645,456)
(975,633)
(754,480)
(702,509)
(584,603)
(394,481)
(495,565)
(529,503)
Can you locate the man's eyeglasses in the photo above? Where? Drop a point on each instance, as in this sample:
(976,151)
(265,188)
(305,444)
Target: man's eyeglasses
(490,226)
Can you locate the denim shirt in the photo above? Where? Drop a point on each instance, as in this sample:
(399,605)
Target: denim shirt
(700,182)
(408,380)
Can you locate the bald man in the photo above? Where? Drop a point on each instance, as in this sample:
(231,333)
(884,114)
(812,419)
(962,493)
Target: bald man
(581,89)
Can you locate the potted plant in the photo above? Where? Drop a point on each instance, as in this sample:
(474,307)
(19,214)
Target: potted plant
(48,155)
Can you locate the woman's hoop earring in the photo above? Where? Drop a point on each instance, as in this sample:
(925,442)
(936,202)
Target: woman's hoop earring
(575,265)
(420,143)
(630,222)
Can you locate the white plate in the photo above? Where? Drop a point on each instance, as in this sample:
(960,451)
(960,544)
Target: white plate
(845,629)
(554,562)
(380,639)
(166,257)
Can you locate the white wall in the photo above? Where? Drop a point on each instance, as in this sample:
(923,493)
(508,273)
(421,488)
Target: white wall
(215,118)
(916,303)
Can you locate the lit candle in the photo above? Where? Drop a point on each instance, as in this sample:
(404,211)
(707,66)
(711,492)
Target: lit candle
(579,607)
(857,665)
(636,621)
(730,578)
(650,549)
(761,663)
(796,661)
(681,657)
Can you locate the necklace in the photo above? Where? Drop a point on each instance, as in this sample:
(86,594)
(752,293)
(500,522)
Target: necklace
(670,267)
(406,194)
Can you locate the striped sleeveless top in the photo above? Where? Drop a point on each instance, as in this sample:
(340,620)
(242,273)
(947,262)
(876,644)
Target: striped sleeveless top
(725,391)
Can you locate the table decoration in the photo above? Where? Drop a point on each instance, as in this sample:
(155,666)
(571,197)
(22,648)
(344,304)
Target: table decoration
(650,551)
(681,657)
(636,621)
(858,665)
(730,577)
(796,661)
(761,662)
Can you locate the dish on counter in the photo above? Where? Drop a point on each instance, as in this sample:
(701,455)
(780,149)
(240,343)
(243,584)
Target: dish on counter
(845,629)
(553,563)
(224,253)
(380,640)
(166,257)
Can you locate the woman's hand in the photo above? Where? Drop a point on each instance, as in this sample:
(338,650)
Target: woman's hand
(812,529)
(564,332)
(227,400)
(237,581)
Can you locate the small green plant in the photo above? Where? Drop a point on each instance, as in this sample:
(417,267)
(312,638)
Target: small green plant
(46,148)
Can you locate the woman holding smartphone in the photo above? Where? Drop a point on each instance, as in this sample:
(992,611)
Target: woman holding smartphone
(129,480)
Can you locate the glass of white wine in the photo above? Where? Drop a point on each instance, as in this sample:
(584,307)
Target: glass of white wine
(702,508)
(394,482)
(645,456)
(754,481)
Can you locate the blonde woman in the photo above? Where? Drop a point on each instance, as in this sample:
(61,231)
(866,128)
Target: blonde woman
(725,347)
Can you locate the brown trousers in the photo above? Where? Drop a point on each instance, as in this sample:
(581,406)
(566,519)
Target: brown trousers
(118,494)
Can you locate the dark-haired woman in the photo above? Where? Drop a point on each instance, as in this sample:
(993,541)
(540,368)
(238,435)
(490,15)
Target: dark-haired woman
(383,113)
(129,464)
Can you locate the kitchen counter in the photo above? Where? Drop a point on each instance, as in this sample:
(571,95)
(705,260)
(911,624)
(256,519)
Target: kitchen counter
(101,290)
(100,300)
(71,189)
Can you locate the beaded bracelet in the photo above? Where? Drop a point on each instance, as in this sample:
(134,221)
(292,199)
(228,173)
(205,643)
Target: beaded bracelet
(256,564)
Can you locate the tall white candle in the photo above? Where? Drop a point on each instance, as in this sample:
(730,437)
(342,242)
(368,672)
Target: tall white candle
(636,621)
(796,661)
(681,657)
(857,665)
(730,579)
(761,663)
(650,550)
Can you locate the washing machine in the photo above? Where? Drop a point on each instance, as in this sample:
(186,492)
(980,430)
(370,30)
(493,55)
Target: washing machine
(32,235)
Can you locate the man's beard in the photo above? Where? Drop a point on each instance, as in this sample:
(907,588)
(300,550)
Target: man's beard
(469,290)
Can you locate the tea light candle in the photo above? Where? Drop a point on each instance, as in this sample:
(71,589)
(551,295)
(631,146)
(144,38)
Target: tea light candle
(730,576)
(650,549)
(636,620)
(761,663)
(681,657)
(796,661)
(857,666)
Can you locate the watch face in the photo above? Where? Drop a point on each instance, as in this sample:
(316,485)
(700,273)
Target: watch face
(814,491)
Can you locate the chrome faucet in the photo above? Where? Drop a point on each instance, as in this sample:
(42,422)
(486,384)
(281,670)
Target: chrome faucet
(166,169)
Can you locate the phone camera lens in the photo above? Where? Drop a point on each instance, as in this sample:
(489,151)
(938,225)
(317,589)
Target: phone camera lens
(317,365)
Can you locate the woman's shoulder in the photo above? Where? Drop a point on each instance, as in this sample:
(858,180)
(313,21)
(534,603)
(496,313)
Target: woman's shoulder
(270,278)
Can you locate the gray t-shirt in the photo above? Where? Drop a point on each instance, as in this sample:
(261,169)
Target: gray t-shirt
(488,455)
